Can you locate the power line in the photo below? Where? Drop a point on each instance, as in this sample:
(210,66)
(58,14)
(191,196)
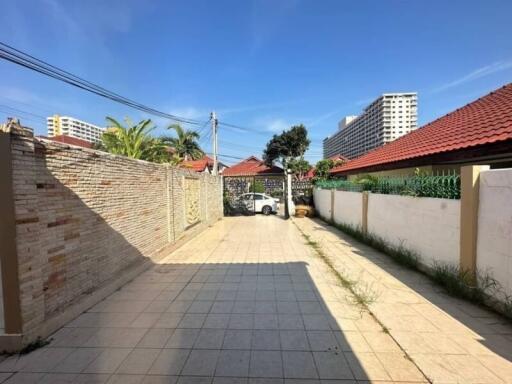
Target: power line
(23,59)
(228,156)
(9,114)
(235,127)
(16,110)
(239,128)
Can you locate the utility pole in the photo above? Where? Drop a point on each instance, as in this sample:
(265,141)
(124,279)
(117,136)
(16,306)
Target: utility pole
(213,118)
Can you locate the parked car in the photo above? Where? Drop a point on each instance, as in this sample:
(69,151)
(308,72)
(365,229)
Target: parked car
(259,202)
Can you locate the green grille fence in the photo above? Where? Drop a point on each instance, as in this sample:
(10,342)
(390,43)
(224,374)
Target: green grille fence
(445,186)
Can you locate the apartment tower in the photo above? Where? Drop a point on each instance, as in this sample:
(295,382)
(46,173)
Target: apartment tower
(69,126)
(387,118)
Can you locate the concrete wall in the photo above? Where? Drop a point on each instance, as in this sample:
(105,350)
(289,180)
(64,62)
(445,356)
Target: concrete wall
(322,198)
(85,219)
(348,208)
(494,240)
(429,226)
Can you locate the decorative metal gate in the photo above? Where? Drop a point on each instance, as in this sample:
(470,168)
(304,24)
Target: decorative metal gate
(302,192)
(238,192)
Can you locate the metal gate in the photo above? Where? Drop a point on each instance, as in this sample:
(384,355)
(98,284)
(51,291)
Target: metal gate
(239,192)
(302,192)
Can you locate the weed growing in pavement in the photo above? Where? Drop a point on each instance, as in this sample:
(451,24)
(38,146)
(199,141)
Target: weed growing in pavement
(39,343)
(362,293)
(398,253)
(482,290)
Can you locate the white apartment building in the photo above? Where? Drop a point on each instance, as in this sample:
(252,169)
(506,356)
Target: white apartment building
(387,118)
(69,126)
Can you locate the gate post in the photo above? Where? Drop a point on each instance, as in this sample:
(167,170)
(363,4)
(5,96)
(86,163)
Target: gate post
(333,195)
(469,196)
(364,211)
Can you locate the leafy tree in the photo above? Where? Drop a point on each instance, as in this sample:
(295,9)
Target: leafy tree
(184,143)
(133,140)
(323,167)
(287,146)
(299,167)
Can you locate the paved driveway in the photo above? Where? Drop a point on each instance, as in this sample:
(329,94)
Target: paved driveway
(247,301)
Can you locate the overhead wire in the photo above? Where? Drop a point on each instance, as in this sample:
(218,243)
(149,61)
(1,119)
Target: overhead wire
(28,61)
(23,59)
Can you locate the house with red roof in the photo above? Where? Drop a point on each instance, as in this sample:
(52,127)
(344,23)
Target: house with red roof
(478,133)
(203,165)
(252,166)
(253,175)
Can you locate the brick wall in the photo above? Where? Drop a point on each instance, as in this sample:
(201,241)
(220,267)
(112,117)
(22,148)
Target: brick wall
(84,217)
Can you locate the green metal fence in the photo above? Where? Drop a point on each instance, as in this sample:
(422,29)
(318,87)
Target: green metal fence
(442,185)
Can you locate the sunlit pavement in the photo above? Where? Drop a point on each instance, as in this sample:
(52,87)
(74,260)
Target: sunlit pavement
(248,301)
(450,340)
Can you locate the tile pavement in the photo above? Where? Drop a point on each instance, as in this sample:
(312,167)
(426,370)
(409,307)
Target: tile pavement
(246,302)
(450,340)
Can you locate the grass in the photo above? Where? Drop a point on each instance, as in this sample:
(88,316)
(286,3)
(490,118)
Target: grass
(481,289)
(400,254)
(363,294)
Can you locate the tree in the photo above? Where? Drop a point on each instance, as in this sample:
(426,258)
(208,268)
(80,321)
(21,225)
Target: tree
(133,140)
(299,167)
(285,148)
(323,167)
(184,143)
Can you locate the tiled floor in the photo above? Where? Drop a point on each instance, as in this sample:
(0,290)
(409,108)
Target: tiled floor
(246,302)
(450,340)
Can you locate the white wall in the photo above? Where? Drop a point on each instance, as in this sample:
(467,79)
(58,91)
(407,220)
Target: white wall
(322,198)
(348,208)
(494,244)
(429,226)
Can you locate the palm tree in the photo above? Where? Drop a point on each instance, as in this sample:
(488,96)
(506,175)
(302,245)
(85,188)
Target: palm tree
(134,141)
(184,143)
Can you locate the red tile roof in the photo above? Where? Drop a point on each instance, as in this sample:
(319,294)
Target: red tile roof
(484,121)
(311,173)
(71,140)
(198,165)
(251,166)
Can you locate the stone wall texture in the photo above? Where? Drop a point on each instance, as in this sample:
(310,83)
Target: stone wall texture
(84,217)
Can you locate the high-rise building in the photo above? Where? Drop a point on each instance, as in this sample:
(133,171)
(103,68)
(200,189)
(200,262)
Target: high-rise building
(69,126)
(387,118)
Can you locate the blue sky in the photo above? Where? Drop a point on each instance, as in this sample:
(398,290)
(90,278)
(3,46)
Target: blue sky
(263,64)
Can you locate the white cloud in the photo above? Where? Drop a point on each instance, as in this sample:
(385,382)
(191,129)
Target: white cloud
(487,70)
(321,118)
(190,113)
(277,125)
(256,107)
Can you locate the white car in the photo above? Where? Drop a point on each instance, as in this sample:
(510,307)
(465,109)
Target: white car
(259,202)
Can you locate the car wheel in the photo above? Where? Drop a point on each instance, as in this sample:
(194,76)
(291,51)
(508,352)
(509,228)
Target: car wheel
(266,210)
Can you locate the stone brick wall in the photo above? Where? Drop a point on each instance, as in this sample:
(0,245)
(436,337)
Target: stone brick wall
(85,217)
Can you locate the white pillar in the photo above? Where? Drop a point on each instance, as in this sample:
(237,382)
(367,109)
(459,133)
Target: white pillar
(291,206)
